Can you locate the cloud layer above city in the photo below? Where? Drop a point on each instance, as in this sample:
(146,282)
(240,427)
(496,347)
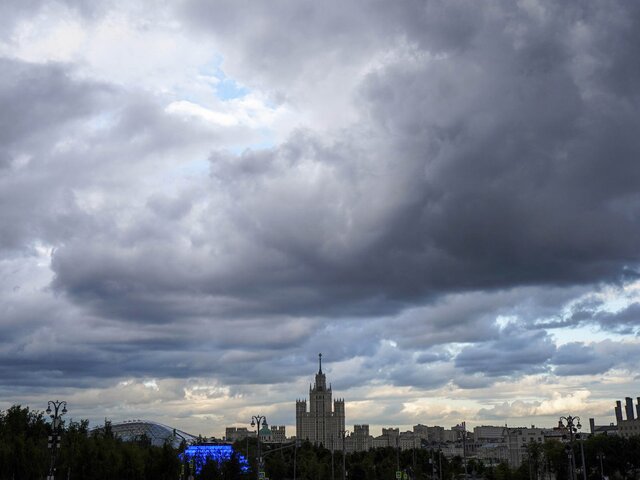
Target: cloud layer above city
(198,197)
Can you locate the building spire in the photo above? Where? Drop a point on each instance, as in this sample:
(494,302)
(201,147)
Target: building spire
(320,361)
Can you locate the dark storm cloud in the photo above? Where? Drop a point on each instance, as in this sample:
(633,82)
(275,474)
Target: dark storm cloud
(458,178)
(431,357)
(592,312)
(38,103)
(516,352)
(595,358)
(495,150)
(626,320)
(52,355)
(472,317)
(286,39)
(500,163)
(36,99)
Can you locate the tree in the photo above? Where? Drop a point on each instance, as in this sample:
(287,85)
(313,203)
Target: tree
(210,471)
(23,444)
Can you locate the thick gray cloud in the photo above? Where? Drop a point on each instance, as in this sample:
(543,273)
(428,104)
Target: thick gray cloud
(516,352)
(596,358)
(466,171)
(458,177)
(626,320)
(39,103)
(594,312)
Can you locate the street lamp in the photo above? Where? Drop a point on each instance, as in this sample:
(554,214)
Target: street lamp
(54,439)
(256,420)
(573,425)
(600,456)
(572,471)
(344,457)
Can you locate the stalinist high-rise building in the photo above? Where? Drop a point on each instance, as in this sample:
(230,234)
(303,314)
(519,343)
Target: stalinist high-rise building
(322,424)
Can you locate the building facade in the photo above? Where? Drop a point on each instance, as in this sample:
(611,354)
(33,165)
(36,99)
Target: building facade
(279,434)
(631,425)
(361,438)
(323,423)
(233,434)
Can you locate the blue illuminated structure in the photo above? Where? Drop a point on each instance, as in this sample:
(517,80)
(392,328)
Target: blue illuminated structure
(199,454)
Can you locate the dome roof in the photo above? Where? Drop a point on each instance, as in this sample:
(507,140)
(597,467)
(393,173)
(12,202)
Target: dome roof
(157,433)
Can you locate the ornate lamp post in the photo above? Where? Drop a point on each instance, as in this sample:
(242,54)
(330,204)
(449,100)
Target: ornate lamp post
(256,420)
(572,471)
(573,425)
(54,439)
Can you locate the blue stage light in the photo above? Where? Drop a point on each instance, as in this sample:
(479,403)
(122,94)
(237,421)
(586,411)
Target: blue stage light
(200,454)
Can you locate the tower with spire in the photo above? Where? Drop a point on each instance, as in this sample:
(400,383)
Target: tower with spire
(321,424)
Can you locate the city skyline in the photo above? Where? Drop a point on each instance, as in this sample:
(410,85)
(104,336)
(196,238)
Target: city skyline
(197,197)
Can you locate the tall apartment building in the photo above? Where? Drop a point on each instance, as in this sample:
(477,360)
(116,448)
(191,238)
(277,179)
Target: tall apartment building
(361,438)
(429,434)
(519,438)
(389,438)
(321,424)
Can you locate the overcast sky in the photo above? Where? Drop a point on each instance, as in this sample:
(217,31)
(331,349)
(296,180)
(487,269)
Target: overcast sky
(197,197)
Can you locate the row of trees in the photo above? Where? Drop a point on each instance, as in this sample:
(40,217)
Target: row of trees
(99,455)
(618,457)
(24,454)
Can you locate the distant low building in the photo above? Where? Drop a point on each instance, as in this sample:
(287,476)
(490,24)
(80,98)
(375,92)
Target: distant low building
(608,430)
(629,428)
(233,434)
(488,434)
(279,434)
(431,435)
(389,438)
